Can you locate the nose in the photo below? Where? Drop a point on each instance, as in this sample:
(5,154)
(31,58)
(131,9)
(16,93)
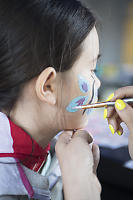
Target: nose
(97,82)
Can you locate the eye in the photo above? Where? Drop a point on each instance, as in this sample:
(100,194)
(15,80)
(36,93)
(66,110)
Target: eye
(94,71)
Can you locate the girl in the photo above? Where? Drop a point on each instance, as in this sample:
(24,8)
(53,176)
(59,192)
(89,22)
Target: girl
(48,54)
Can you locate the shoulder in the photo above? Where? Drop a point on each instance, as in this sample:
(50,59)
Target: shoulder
(13,197)
(17,179)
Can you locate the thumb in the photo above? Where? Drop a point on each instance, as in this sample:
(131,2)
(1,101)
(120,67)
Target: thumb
(84,135)
(125,112)
(96,156)
(63,140)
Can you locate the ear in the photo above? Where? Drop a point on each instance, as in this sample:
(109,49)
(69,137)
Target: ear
(45,85)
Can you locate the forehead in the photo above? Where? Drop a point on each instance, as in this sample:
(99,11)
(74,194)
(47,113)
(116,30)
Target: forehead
(90,46)
(89,52)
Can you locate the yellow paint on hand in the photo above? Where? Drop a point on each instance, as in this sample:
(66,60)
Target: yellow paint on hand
(105,113)
(110,97)
(112,129)
(119,132)
(120,104)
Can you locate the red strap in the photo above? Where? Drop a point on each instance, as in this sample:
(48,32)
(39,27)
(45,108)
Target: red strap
(26,149)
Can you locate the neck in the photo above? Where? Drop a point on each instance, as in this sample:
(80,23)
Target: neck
(34,121)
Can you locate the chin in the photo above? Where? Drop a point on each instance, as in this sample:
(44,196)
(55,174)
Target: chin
(76,121)
(82,124)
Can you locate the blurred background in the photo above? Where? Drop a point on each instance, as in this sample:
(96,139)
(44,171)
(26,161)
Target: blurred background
(115,28)
(114,69)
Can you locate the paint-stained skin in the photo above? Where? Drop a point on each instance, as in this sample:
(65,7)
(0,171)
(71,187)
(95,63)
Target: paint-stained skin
(83,100)
(78,101)
(91,96)
(83,84)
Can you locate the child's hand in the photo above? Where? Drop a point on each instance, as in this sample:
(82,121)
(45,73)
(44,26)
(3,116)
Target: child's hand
(78,164)
(122,113)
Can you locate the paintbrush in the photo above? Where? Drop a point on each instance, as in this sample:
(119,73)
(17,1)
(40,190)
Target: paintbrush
(103,104)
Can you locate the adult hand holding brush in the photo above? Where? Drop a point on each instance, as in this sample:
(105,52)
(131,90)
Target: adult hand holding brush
(122,112)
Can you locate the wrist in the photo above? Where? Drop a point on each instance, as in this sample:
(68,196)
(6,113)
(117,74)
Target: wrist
(82,188)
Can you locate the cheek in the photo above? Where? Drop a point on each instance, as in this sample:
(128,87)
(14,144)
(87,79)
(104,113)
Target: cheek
(78,101)
(83,87)
(83,84)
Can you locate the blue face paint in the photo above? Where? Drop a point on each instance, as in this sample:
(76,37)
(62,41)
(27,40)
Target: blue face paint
(83,84)
(78,101)
(88,111)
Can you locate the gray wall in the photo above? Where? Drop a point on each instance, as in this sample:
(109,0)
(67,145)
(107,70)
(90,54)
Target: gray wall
(111,15)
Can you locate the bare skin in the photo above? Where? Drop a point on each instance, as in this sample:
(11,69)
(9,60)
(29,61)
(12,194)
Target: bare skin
(116,116)
(79,169)
(41,112)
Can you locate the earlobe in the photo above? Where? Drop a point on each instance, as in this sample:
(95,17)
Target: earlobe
(45,86)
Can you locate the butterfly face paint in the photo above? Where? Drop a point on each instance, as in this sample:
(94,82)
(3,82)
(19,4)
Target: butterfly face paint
(94,97)
(78,101)
(83,84)
(81,100)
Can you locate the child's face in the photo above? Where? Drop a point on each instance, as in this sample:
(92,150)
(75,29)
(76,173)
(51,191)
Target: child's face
(80,85)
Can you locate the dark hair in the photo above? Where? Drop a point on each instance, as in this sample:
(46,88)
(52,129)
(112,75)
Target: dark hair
(35,34)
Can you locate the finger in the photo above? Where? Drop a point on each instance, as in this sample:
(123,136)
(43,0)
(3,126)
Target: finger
(120,130)
(123,92)
(110,111)
(125,113)
(115,121)
(84,135)
(130,145)
(63,140)
(96,156)
(113,124)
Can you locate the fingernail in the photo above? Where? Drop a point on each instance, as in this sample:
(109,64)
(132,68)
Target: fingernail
(112,129)
(120,105)
(105,113)
(119,132)
(110,97)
